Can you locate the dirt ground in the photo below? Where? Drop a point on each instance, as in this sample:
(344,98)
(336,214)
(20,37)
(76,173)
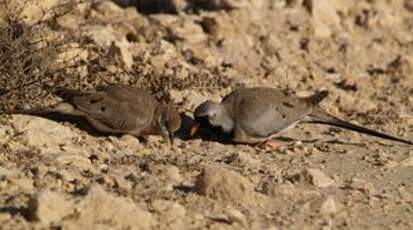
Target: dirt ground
(58,175)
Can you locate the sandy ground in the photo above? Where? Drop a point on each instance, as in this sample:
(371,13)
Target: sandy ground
(57,175)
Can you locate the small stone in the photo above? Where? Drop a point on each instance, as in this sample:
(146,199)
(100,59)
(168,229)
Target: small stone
(172,214)
(98,206)
(70,21)
(361,185)
(109,10)
(235,216)
(317,178)
(407,162)
(222,184)
(40,132)
(74,159)
(49,207)
(128,140)
(325,18)
(5,132)
(70,55)
(109,38)
(181,29)
(4,172)
(5,216)
(35,10)
(328,206)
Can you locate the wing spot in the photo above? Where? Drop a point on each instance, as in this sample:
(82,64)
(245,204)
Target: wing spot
(288,104)
(93,101)
(284,116)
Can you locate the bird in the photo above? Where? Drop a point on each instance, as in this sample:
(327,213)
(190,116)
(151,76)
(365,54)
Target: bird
(116,109)
(258,114)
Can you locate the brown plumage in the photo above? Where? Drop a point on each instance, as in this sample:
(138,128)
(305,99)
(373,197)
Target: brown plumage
(117,109)
(254,115)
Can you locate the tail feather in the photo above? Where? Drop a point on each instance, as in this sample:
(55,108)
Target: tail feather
(316,98)
(320,117)
(68,94)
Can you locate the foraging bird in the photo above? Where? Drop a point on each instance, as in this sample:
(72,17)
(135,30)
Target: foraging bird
(256,115)
(117,109)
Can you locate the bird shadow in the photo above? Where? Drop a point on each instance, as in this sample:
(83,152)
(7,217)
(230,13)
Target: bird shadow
(184,133)
(78,121)
(203,133)
(206,133)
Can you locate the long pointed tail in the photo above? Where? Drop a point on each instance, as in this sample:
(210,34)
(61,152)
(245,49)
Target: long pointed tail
(320,117)
(68,94)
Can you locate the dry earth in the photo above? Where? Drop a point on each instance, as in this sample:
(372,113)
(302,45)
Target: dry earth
(56,175)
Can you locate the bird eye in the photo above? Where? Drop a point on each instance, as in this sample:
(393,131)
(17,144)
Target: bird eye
(103,109)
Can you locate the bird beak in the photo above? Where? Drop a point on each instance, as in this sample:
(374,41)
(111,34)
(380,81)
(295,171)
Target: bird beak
(194,129)
(168,137)
(171,138)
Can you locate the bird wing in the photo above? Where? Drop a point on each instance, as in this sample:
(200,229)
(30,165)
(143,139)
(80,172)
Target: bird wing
(263,112)
(117,108)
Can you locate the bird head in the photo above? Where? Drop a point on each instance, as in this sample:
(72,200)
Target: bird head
(214,114)
(168,122)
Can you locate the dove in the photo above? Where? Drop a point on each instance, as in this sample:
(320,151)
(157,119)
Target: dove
(256,115)
(117,109)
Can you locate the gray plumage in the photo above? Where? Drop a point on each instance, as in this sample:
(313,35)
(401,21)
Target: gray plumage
(254,115)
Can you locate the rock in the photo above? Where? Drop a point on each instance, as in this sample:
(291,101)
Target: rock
(5,134)
(121,49)
(324,16)
(195,98)
(40,132)
(70,21)
(402,66)
(74,159)
(5,172)
(71,54)
(357,103)
(222,184)
(49,207)
(243,158)
(171,173)
(35,10)
(100,207)
(361,185)
(163,178)
(177,96)
(407,162)
(177,6)
(171,214)
(181,29)
(5,216)
(235,216)
(107,37)
(328,206)
(128,140)
(317,178)
(109,10)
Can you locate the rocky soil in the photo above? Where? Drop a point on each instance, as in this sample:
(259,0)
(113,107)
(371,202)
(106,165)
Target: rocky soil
(57,174)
